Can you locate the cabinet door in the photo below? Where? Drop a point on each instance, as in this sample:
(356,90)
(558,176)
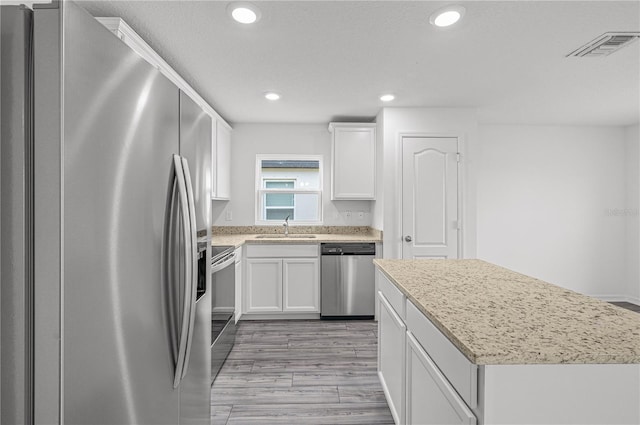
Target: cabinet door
(263,285)
(238,298)
(391,357)
(301,284)
(431,400)
(214,158)
(353,163)
(223,162)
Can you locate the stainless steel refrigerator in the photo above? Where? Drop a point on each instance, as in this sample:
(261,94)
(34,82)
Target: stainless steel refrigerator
(105,226)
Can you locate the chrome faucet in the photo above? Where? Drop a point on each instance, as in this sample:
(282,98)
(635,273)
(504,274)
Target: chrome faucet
(286,225)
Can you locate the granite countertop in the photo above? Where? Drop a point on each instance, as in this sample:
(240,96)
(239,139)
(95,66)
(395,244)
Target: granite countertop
(497,316)
(237,236)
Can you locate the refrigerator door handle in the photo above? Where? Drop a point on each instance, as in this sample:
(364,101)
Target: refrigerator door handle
(194,263)
(170,264)
(188,271)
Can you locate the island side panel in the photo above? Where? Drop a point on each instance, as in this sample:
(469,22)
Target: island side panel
(560,394)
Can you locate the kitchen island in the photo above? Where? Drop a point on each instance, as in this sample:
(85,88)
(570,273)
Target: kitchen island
(466,341)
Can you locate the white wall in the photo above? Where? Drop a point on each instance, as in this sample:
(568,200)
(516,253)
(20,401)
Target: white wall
(392,122)
(545,196)
(632,135)
(248,140)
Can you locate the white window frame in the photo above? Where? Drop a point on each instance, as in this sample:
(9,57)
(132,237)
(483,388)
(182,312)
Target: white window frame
(260,190)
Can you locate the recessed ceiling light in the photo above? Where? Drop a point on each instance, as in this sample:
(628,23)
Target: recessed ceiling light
(272,96)
(387,97)
(447,16)
(245,13)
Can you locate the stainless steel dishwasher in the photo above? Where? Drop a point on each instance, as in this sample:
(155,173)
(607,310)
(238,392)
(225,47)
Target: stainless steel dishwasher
(347,280)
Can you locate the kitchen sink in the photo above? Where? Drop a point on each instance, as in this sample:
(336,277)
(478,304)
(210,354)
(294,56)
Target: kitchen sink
(281,236)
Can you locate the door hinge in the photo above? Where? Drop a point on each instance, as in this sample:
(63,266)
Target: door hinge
(458,157)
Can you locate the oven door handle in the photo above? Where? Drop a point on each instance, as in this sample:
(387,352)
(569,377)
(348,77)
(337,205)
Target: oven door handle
(230,260)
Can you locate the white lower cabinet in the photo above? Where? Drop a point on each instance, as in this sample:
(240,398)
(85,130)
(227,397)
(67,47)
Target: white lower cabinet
(416,389)
(238,289)
(286,279)
(300,285)
(430,399)
(264,285)
(391,357)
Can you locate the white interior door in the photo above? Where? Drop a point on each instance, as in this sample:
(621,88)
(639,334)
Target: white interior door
(429,197)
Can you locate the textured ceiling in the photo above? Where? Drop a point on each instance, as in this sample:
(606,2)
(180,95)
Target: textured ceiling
(333,59)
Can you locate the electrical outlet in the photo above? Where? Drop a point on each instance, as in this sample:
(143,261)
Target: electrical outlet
(360,215)
(228,216)
(347,214)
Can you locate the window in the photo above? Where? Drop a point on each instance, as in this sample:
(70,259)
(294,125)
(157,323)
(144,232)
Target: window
(278,206)
(289,186)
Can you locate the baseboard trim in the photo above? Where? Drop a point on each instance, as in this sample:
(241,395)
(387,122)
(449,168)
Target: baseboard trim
(618,298)
(280,316)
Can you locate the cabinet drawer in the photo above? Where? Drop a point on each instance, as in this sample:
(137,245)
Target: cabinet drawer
(392,294)
(280,251)
(460,372)
(430,398)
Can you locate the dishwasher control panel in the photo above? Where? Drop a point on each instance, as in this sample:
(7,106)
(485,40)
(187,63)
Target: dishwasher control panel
(348,249)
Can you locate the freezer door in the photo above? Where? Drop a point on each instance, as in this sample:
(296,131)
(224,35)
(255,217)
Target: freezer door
(195,147)
(120,131)
(15,217)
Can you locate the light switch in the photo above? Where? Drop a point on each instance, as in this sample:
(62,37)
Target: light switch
(228,216)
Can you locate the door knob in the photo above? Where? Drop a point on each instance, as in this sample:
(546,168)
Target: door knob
(407,238)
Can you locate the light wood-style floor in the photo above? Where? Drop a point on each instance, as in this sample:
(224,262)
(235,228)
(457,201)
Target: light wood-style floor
(301,372)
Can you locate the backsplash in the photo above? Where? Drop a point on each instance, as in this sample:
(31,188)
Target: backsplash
(331,230)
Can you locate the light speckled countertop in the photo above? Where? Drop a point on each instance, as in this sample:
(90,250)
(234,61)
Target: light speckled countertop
(237,236)
(238,240)
(497,316)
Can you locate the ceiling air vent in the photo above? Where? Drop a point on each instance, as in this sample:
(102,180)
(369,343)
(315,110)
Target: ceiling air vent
(606,44)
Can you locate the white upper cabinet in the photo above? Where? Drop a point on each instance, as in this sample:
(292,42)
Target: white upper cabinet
(221,151)
(221,131)
(129,37)
(353,161)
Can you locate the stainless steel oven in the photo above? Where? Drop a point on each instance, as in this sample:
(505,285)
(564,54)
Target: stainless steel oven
(223,324)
